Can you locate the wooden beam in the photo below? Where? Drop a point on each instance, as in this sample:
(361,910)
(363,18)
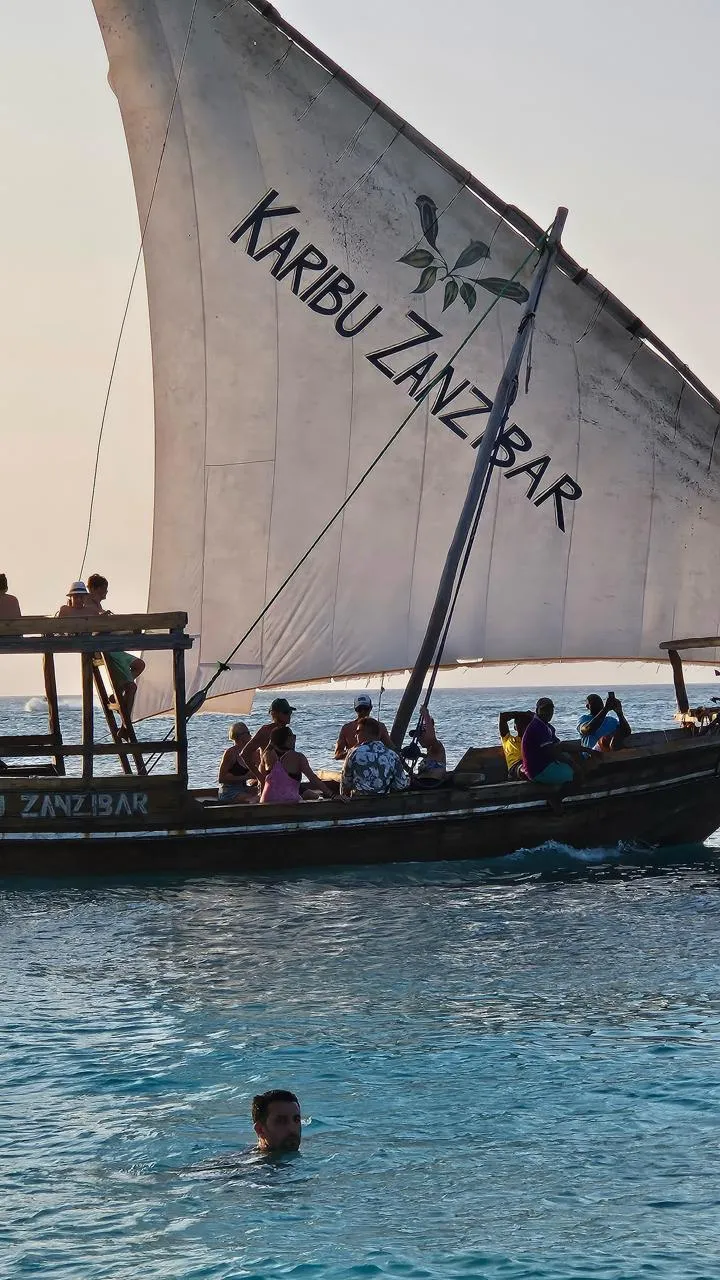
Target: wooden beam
(181,764)
(53,708)
(21,747)
(88,711)
(679,680)
(126,640)
(42,625)
(108,713)
(695,642)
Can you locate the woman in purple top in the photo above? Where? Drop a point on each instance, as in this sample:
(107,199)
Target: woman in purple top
(543,761)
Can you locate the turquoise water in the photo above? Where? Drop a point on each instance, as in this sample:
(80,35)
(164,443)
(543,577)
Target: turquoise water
(507,1069)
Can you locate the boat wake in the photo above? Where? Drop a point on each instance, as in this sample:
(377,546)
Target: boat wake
(554,861)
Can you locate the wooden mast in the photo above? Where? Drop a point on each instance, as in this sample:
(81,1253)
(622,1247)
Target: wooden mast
(475,494)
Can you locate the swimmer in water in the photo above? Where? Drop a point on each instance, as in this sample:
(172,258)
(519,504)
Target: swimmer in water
(276,1119)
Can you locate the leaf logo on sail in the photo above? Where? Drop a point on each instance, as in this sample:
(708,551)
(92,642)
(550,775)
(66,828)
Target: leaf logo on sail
(459,282)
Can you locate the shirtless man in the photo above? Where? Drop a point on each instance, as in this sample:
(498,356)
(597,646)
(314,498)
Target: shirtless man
(76,600)
(251,754)
(348,735)
(125,667)
(9,606)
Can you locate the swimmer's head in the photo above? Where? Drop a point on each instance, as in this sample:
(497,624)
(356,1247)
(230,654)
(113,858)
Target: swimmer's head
(277,1120)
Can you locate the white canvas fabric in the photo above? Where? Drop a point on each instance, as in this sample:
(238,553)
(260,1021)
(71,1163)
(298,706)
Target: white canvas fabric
(290,342)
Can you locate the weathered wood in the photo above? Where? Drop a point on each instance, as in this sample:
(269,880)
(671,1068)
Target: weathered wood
(694,642)
(679,681)
(88,724)
(20,747)
(126,640)
(41,625)
(53,708)
(108,713)
(126,730)
(40,740)
(181,766)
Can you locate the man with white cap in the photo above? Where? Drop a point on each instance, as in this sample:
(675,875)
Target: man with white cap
(347,737)
(77,597)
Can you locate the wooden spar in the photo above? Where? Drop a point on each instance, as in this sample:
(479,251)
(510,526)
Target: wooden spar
(181,759)
(53,709)
(483,462)
(87,716)
(679,681)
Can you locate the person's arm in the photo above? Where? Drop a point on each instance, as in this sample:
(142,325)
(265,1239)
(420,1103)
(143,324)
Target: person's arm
(594,724)
(312,777)
(385,737)
(624,726)
(504,721)
(346,775)
(341,746)
(250,751)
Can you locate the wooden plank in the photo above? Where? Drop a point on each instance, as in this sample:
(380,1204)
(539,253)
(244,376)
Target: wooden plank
(30,739)
(695,642)
(42,625)
(679,681)
(179,710)
(88,724)
(20,749)
(53,708)
(109,714)
(126,640)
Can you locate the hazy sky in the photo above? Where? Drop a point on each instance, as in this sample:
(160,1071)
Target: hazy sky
(610,107)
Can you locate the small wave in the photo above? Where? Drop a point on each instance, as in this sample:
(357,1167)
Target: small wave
(36,704)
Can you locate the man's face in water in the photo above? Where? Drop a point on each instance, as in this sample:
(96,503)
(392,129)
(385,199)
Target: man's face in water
(280,1130)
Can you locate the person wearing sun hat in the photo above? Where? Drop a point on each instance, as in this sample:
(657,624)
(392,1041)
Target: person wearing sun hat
(77,597)
(347,737)
(280,714)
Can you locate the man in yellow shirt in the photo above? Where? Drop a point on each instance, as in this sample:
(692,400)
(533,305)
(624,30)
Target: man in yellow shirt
(512,742)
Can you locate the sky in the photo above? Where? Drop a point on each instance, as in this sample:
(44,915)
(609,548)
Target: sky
(612,109)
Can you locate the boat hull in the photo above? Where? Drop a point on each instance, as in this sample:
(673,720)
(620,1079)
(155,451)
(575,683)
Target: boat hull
(669,796)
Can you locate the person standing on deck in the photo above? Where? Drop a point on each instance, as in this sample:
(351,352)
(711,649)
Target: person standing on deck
(9,605)
(251,754)
(348,735)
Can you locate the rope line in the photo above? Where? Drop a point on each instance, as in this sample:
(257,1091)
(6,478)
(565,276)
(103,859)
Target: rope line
(198,698)
(132,286)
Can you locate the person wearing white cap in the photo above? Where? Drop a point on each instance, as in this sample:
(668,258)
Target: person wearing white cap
(348,735)
(77,596)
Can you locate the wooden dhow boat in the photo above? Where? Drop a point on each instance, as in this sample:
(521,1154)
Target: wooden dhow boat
(663,790)
(341,485)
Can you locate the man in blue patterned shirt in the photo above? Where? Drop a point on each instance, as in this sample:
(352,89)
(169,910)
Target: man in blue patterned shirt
(371,768)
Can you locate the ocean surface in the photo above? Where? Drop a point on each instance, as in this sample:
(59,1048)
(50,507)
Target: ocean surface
(508,1070)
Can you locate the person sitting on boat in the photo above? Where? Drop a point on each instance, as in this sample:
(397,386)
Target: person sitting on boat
(77,595)
(97,588)
(511,743)
(431,768)
(123,667)
(604,727)
(348,735)
(236,784)
(542,757)
(251,754)
(9,605)
(282,769)
(277,1120)
(371,768)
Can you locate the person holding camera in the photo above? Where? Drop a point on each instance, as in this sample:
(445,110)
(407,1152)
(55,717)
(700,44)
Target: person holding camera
(603,727)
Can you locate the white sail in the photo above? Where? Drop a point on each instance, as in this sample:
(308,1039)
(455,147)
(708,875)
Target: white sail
(312,263)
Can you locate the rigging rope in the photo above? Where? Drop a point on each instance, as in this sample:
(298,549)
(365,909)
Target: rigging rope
(132,286)
(197,700)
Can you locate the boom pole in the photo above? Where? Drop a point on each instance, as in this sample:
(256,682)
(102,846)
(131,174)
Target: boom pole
(503,399)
